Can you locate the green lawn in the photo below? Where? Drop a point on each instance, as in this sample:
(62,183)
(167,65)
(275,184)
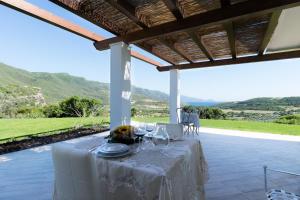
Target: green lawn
(266,127)
(21,127)
(10,128)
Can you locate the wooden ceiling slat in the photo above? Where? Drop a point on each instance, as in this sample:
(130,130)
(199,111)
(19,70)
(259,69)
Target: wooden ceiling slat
(242,60)
(124,7)
(172,47)
(128,10)
(149,49)
(269,32)
(222,15)
(57,2)
(172,6)
(200,45)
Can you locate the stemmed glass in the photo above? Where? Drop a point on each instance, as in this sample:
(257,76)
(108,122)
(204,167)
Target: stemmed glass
(140,132)
(147,139)
(161,137)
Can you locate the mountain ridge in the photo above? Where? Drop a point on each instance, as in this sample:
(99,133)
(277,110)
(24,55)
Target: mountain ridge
(58,86)
(262,103)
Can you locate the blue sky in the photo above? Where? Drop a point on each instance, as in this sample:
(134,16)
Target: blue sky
(34,45)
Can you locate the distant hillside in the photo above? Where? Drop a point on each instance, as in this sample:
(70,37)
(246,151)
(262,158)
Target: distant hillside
(198,102)
(57,86)
(264,103)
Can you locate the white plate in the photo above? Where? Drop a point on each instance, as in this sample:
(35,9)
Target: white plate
(99,154)
(113,148)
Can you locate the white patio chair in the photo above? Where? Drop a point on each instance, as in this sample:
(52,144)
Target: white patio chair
(175,131)
(183,118)
(279,194)
(194,119)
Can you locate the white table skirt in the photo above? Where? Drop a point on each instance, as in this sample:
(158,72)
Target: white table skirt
(177,173)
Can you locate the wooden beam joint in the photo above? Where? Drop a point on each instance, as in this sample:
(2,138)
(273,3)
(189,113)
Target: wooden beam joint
(242,60)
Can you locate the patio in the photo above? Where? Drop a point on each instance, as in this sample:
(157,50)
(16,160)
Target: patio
(235,168)
(185,35)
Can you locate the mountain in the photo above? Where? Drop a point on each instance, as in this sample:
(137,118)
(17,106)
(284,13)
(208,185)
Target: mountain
(198,102)
(57,86)
(263,103)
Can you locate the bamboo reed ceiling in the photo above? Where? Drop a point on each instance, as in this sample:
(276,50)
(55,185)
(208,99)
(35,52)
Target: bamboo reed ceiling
(239,37)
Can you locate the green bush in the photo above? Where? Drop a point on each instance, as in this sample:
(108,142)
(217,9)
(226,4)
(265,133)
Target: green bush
(52,111)
(133,112)
(30,112)
(74,107)
(206,112)
(289,119)
(77,107)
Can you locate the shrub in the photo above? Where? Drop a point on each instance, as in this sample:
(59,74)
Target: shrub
(31,112)
(52,111)
(76,107)
(133,112)
(289,119)
(206,112)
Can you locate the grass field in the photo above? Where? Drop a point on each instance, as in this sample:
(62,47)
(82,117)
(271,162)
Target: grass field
(255,126)
(10,128)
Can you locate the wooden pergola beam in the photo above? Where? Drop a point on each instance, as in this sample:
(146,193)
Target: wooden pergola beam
(171,5)
(242,60)
(222,15)
(43,15)
(124,7)
(229,27)
(269,32)
(200,45)
(128,10)
(139,56)
(149,49)
(172,47)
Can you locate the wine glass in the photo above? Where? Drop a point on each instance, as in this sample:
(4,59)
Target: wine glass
(161,136)
(148,137)
(139,133)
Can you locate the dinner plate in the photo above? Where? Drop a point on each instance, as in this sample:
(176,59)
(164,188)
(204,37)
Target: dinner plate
(113,149)
(117,155)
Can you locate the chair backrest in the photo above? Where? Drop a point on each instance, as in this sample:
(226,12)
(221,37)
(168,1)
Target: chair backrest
(175,131)
(194,118)
(184,117)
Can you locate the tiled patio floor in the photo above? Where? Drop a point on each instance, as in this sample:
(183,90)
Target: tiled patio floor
(235,167)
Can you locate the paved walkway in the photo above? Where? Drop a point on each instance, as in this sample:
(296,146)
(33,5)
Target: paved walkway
(235,167)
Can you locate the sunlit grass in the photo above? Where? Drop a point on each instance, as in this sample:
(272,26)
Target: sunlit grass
(11,128)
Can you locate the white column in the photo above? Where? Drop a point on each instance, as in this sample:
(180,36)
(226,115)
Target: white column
(174,101)
(120,84)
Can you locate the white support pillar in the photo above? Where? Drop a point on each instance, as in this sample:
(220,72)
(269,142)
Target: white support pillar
(120,84)
(174,101)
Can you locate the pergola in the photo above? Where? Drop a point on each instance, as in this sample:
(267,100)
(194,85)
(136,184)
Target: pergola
(186,34)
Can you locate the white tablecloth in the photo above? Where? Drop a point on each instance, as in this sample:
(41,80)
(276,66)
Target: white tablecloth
(175,173)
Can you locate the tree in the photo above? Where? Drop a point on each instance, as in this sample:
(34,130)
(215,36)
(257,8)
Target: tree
(133,112)
(76,107)
(52,111)
(206,112)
